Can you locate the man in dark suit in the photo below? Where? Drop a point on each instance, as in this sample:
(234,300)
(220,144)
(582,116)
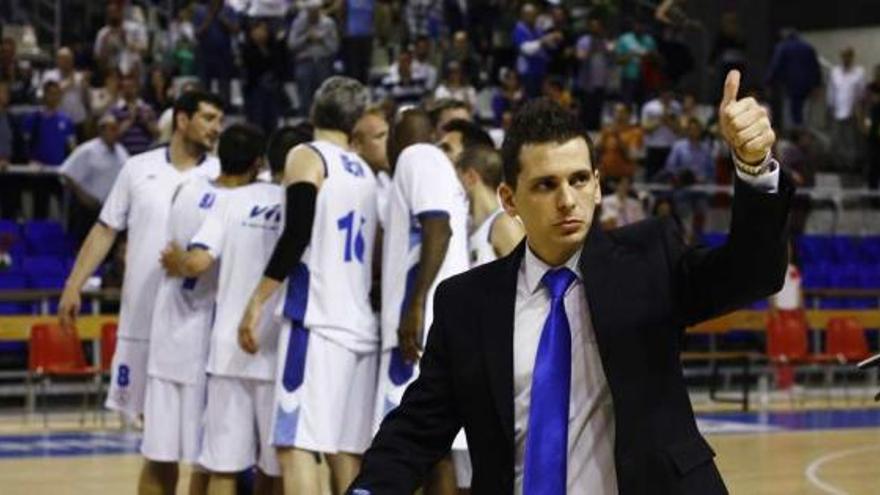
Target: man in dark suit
(561,361)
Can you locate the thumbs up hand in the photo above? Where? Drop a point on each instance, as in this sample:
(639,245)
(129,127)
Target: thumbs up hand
(745,124)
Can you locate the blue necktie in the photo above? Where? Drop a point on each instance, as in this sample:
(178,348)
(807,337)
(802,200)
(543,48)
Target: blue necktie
(546,456)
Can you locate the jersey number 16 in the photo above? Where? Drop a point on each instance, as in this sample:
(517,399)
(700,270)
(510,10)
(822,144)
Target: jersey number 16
(354,236)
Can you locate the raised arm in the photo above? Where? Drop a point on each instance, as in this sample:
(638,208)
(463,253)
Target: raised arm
(751,264)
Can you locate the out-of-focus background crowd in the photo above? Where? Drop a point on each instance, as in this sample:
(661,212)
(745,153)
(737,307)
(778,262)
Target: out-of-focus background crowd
(84,84)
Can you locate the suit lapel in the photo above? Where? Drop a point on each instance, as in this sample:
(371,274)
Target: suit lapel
(597,268)
(498,336)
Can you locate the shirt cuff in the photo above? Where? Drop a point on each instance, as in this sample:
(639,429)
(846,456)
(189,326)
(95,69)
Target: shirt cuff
(767,182)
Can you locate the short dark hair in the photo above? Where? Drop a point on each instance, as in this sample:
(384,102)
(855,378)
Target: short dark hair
(189,102)
(241,145)
(443,104)
(485,160)
(282,141)
(540,121)
(471,134)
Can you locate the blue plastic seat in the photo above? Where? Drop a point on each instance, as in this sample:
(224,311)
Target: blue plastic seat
(43,266)
(46,238)
(14,281)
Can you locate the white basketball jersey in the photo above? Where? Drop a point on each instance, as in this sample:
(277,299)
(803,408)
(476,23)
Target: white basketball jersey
(328,292)
(480,242)
(139,202)
(184,308)
(241,237)
(424,184)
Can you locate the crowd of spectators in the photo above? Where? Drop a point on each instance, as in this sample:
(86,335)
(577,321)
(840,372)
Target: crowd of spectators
(622,76)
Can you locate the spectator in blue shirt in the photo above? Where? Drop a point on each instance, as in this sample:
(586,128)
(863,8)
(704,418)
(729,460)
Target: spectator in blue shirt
(357,39)
(690,163)
(795,67)
(49,135)
(531,46)
(49,132)
(215,25)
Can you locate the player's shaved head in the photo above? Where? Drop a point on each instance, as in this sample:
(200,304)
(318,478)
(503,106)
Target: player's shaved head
(413,126)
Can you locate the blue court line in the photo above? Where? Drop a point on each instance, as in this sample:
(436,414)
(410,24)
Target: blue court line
(68,444)
(801,420)
(73,444)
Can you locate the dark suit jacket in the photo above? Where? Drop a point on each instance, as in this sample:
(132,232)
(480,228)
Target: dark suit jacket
(643,286)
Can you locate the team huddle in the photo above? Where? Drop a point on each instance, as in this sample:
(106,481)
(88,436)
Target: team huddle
(272,318)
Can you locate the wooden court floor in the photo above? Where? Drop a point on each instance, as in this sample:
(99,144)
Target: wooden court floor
(826,461)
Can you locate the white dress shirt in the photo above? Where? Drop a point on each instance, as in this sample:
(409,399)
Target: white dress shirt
(845,90)
(94,167)
(591,468)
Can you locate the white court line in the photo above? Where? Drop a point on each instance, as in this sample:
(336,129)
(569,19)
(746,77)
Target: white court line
(814,466)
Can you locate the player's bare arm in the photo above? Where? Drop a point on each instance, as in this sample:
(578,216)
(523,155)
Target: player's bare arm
(507,232)
(436,233)
(303,177)
(180,263)
(95,248)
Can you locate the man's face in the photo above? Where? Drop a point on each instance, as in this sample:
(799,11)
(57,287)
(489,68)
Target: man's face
(110,132)
(52,96)
(460,42)
(528,14)
(203,127)
(129,88)
(848,56)
(64,60)
(422,49)
(371,141)
(404,63)
(451,144)
(555,197)
(314,13)
(695,131)
(114,13)
(450,114)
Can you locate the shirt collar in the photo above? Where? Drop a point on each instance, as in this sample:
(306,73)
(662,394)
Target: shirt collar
(534,268)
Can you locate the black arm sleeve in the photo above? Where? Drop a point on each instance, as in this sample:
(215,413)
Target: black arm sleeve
(298,220)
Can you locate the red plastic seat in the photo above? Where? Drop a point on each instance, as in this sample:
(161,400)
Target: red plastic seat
(787,337)
(56,352)
(845,340)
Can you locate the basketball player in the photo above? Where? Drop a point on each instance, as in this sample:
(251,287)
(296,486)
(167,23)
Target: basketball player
(458,134)
(496,234)
(425,242)
(182,317)
(445,110)
(370,141)
(240,389)
(328,346)
(139,203)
